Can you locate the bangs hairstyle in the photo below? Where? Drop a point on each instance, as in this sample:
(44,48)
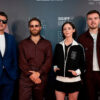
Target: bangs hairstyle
(34,19)
(4,14)
(93,11)
(73,26)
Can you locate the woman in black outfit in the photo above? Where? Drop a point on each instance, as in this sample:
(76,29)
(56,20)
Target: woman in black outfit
(68,64)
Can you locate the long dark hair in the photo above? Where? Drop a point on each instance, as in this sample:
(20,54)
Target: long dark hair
(73,26)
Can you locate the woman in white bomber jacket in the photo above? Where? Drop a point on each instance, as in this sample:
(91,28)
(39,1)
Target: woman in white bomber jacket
(69,64)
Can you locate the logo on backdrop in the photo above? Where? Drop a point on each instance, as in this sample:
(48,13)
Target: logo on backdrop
(49,0)
(94,2)
(44,27)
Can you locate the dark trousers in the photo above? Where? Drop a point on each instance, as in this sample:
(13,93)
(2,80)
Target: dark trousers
(28,90)
(6,86)
(93,86)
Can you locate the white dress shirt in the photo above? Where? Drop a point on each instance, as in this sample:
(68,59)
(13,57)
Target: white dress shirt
(2,44)
(95,60)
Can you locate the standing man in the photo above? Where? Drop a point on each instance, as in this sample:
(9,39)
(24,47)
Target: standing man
(8,61)
(35,58)
(91,42)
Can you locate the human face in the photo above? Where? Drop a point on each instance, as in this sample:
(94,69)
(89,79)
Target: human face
(2,25)
(34,28)
(68,31)
(93,21)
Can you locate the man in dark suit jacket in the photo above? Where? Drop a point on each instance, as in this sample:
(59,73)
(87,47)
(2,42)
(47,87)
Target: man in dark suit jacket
(91,43)
(8,61)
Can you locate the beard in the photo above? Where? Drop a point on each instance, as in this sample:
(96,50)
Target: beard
(35,34)
(93,27)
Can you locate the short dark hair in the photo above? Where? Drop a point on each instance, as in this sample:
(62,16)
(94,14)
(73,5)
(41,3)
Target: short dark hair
(34,19)
(93,11)
(3,14)
(73,26)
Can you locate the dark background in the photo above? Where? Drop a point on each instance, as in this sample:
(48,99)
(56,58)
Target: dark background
(52,13)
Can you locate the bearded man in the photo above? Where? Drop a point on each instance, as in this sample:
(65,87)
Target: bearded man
(35,58)
(91,42)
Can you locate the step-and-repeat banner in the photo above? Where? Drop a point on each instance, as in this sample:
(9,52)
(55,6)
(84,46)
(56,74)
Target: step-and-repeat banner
(52,13)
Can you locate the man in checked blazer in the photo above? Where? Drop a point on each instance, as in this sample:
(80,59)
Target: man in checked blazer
(8,61)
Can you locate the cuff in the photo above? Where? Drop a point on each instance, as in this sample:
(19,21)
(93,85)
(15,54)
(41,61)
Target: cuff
(54,67)
(78,71)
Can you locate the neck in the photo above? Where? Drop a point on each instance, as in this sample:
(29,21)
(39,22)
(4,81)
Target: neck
(1,32)
(68,41)
(35,39)
(94,31)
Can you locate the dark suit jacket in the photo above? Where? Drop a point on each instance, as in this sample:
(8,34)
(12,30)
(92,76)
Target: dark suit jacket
(87,41)
(9,60)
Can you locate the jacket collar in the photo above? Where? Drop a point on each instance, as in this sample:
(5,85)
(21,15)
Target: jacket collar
(73,43)
(88,33)
(63,44)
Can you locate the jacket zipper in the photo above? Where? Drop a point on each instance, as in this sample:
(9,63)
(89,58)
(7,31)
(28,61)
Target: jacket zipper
(65,61)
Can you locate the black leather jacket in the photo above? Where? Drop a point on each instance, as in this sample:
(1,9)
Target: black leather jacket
(74,60)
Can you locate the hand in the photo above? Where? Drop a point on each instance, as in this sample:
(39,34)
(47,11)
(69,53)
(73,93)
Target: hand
(37,81)
(55,69)
(73,72)
(35,74)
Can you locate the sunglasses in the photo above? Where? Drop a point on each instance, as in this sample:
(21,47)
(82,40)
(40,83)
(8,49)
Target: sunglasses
(34,26)
(3,21)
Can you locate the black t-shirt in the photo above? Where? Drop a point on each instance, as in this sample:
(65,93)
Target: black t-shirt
(66,49)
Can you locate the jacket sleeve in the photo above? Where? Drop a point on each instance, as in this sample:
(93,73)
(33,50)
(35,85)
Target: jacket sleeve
(48,60)
(82,61)
(56,58)
(23,65)
(56,55)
